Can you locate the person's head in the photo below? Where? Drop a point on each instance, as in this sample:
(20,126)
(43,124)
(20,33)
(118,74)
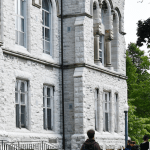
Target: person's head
(90,134)
(145,138)
(132,143)
(128,142)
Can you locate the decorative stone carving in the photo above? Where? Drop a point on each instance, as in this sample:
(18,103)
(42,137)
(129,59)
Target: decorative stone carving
(97,29)
(108,35)
(36,3)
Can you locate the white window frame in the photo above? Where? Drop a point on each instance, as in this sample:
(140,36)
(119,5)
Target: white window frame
(106,110)
(46,107)
(96,95)
(18,23)
(116,112)
(18,102)
(49,52)
(101,49)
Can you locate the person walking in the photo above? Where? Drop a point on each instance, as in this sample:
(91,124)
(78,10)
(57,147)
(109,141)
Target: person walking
(145,144)
(90,144)
(133,146)
(128,147)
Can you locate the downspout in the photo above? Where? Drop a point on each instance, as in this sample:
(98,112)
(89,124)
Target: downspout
(62,71)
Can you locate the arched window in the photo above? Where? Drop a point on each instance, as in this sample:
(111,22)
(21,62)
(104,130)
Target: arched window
(20,25)
(47,27)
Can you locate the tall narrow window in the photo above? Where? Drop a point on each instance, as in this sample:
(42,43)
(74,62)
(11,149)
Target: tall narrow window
(101,49)
(96,112)
(20,25)
(48,107)
(106,111)
(46,28)
(21,97)
(116,113)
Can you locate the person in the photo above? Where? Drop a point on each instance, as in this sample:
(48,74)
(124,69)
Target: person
(128,147)
(133,146)
(90,144)
(145,144)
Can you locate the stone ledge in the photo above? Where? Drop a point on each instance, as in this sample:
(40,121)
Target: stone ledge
(25,56)
(96,68)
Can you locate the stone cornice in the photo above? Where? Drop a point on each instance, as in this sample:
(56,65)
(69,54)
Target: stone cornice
(76,15)
(27,57)
(113,73)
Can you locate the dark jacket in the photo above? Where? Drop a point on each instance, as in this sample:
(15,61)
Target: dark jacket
(144,146)
(135,147)
(128,147)
(90,144)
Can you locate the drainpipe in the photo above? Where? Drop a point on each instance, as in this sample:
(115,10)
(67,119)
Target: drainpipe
(62,71)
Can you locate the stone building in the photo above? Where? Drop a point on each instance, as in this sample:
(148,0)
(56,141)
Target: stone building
(95,88)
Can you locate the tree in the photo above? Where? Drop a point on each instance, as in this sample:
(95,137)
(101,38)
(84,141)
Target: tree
(143,32)
(137,127)
(138,92)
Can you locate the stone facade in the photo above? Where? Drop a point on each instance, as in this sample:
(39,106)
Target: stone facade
(83,72)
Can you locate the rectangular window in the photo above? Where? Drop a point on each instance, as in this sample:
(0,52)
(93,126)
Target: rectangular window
(20,22)
(47,107)
(106,111)
(21,96)
(96,111)
(101,49)
(116,112)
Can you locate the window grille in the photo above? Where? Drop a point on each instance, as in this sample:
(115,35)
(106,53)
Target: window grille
(96,111)
(46,27)
(20,22)
(21,98)
(48,107)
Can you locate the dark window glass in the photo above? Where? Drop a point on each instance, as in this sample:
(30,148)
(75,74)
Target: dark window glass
(17,115)
(49,119)
(45,5)
(106,121)
(22,116)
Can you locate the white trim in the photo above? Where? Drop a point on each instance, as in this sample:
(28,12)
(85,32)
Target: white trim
(23,75)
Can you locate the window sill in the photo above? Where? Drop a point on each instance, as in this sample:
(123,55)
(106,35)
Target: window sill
(21,49)
(24,130)
(47,57)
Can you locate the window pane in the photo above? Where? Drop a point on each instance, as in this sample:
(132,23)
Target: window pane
(106,106)
(16,37)
(17,115)
(45,5)
(106,121)
(48,102)
(22,98)
(47,34)
(43,31)
(22,87)
(43,45)
(21,24)
(23,116)
(46,19)
(21,38)
(47,47)
(16,97)
(49,119)
(16,86)
(43,17)
(106,97)
(16,6)
(44,124)
(21,8)
(48,92)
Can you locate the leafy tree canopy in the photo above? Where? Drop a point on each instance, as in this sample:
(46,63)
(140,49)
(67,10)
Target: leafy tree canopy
(143,32)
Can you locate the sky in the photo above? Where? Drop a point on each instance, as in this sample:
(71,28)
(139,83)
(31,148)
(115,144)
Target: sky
(134,11)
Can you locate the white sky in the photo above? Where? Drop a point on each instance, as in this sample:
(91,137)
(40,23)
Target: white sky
(135,11)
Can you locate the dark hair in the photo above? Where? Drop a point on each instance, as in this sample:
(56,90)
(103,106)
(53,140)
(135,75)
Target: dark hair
(129,141)
(90,133)
(145,137)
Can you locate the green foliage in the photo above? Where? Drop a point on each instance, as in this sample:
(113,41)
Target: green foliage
(137,126)
(138,93)
(143,32)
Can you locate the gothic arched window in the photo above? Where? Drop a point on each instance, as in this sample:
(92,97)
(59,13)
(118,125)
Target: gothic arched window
(47,27)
